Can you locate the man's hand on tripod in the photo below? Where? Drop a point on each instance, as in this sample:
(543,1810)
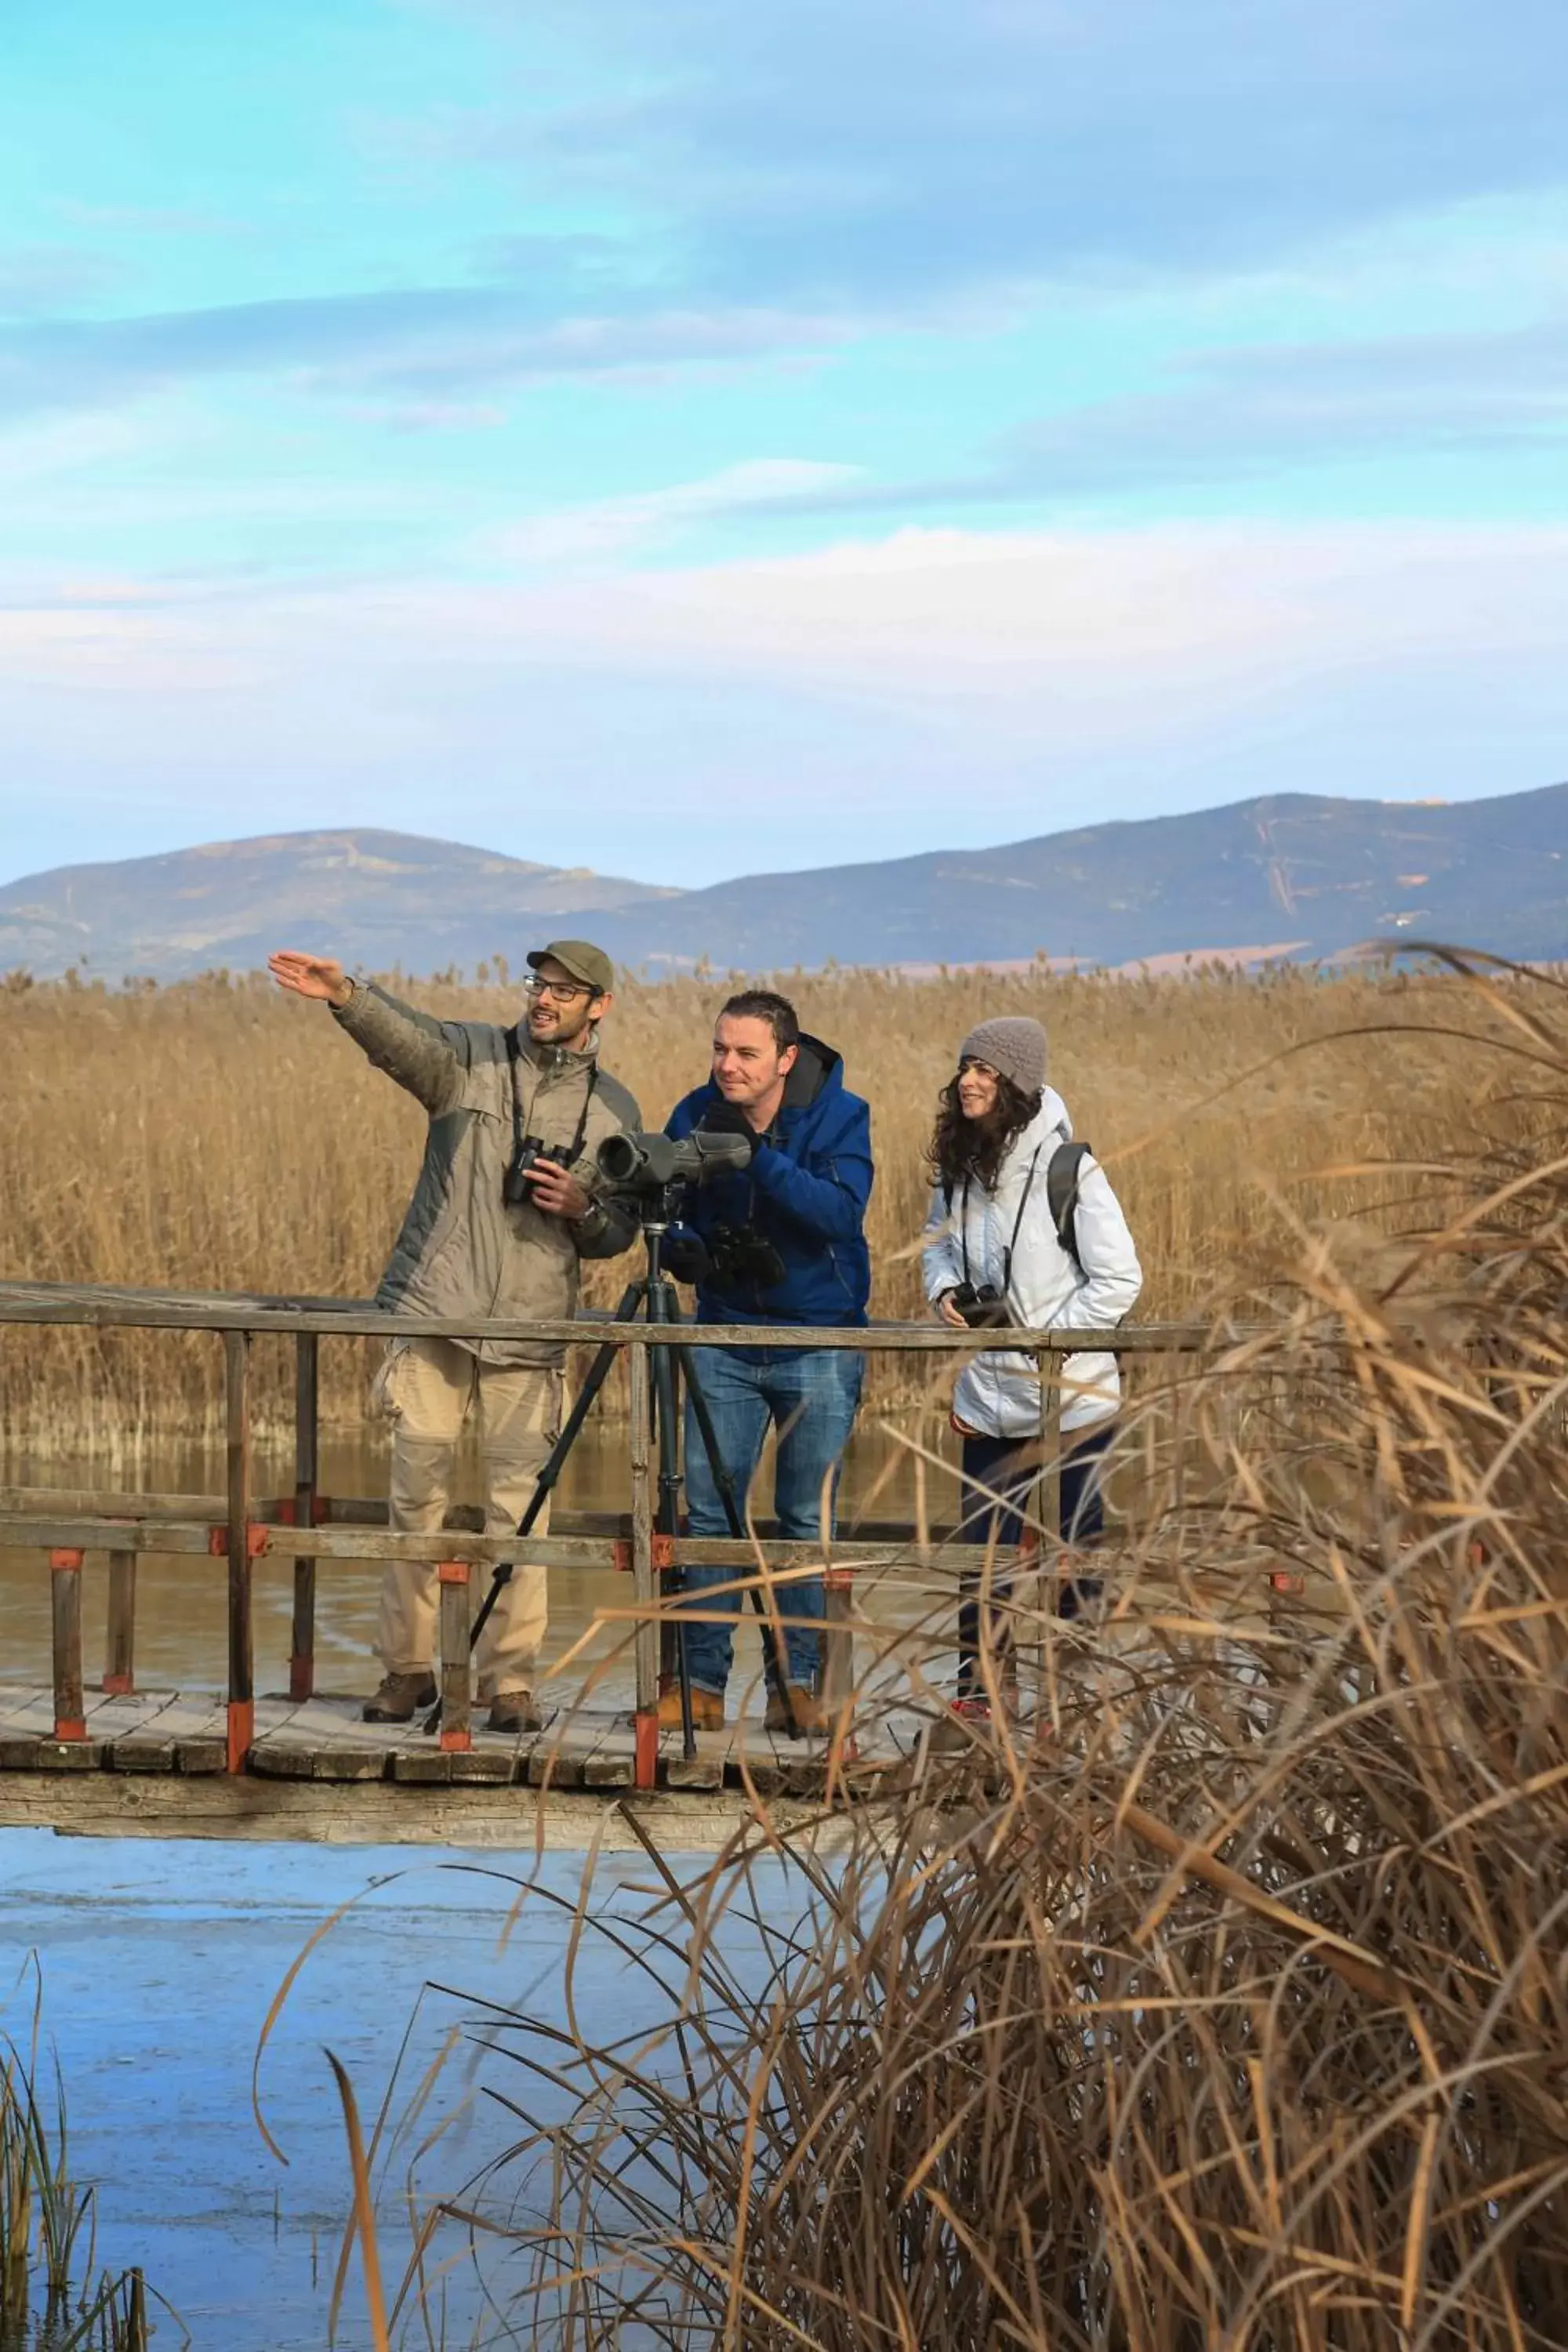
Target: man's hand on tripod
(685,1256)
(556,1191)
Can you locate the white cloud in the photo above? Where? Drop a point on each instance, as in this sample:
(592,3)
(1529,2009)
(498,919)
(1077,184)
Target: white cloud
(1040,618)
(926,688)
(606,528)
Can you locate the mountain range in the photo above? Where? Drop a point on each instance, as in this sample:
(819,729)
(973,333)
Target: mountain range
(1295,876)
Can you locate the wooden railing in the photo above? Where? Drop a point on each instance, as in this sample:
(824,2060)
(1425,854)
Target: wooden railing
(308,1527)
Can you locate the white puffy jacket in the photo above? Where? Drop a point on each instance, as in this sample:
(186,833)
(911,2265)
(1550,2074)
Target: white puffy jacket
(998,1393)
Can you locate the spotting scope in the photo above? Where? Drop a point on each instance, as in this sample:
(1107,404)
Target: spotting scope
(648,1164)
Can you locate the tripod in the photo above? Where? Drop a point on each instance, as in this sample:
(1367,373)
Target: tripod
(651,1298)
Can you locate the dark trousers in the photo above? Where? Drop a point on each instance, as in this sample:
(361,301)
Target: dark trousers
(1008,1470)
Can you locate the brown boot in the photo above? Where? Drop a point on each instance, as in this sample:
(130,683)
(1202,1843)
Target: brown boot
(707,1709)
(400,1698)
(794,1712)
(514,1711)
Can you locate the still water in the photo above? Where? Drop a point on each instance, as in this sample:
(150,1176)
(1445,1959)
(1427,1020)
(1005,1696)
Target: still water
(159,1964)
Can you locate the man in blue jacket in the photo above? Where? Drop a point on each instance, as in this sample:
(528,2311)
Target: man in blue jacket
(778,1241)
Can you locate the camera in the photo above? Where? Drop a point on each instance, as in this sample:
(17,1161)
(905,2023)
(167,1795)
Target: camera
(738,1253)
(516,1189)
(980,1305)
(648,1164)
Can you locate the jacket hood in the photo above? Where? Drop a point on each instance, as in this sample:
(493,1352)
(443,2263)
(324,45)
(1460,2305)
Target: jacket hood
(818,1070)
(1050,1124)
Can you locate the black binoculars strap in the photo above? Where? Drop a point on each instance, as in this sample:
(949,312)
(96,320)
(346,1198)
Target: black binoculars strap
(1017,1226)
(513,1051)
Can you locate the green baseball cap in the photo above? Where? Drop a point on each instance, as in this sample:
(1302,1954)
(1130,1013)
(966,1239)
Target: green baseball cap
(581,959)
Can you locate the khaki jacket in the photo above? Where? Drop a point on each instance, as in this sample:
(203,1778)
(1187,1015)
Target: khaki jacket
(462,1250)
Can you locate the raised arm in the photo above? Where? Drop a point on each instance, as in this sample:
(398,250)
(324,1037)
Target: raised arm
(427,1056)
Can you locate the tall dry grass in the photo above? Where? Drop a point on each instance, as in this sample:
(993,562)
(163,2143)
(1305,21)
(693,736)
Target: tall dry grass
(218,1136)
(1216,2004)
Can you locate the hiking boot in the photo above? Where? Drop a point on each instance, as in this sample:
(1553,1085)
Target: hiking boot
(707,1709)
(514,1711)
(400,1698)
(794,1712)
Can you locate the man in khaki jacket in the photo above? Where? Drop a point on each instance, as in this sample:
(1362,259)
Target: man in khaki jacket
(494,1229)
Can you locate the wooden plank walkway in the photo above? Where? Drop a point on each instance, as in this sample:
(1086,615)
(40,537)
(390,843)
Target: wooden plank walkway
(178,1734)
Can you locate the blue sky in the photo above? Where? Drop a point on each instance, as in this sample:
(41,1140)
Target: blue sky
(686,438)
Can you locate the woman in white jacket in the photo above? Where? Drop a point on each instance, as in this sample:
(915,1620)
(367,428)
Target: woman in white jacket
(992,1227)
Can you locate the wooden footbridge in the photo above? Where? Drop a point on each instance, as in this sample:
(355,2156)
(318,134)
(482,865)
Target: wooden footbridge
(106,1753)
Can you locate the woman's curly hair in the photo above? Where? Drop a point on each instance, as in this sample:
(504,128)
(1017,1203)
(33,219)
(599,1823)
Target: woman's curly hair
(975,1147)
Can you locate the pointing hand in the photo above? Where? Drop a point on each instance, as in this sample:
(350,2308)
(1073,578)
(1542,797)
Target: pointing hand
(316,976)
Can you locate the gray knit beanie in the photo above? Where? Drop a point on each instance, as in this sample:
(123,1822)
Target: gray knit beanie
(1015,1045)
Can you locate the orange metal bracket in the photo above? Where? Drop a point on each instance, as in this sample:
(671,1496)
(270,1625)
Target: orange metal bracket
(663,1553)
(256,1540)
(289,1511)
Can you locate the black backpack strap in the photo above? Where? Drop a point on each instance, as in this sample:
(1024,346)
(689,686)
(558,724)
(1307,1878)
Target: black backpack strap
(1063,1178)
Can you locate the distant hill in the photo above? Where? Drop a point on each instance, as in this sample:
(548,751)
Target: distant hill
(1296,875)
(379,898)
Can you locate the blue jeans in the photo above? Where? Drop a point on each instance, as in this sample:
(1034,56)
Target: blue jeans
(812,1394)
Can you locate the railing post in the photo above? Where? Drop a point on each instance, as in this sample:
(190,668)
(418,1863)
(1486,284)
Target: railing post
(644,1721)
(837,1638)
(65,1599)
(119,1644)
(302,1647)
(241,1668)
(457,1733)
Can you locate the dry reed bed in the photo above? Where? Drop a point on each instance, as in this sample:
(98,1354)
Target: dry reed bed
(217,1136)
(1224,2001)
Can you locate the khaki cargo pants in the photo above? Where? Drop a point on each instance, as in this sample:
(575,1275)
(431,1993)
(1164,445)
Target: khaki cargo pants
(427,1388)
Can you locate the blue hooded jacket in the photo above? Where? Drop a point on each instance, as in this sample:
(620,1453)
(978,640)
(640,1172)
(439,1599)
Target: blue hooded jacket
(805,1191)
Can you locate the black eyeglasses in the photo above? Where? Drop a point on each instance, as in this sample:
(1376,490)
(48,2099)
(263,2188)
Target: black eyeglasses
(559,992)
